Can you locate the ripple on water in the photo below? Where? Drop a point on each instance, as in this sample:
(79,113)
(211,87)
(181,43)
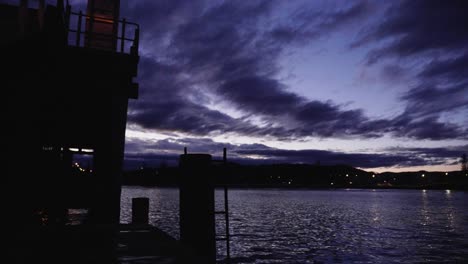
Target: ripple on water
(311,226)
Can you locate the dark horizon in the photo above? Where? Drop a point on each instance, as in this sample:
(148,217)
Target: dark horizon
(299,176)
(366,162)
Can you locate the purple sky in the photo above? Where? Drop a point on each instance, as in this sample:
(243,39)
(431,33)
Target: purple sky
(380,85)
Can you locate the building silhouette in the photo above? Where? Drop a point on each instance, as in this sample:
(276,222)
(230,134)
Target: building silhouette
(67,77)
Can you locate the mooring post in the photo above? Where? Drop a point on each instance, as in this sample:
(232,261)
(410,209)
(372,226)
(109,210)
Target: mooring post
(140,210)
(224,155)
(197,220)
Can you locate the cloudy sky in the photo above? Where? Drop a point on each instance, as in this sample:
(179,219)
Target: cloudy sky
(380,85)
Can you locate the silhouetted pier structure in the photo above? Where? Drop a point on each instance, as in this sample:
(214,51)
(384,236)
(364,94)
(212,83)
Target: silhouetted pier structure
(67,78)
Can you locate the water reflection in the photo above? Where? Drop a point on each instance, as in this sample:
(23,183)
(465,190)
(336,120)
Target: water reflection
(365,226)
(425,217)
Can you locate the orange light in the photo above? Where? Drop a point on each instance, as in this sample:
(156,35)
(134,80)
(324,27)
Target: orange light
(102,19)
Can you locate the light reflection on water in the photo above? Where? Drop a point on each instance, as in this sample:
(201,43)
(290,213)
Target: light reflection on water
(322,226)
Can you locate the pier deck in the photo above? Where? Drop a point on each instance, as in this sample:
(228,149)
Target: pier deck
(136,244)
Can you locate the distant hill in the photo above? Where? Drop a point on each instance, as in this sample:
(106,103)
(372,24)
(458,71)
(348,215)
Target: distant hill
(303,176)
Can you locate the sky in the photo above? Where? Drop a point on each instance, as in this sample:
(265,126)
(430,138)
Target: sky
(379,85)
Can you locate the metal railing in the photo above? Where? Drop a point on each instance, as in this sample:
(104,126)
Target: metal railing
(84,36)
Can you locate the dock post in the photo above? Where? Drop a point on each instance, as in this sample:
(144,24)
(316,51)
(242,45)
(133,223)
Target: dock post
(140,210)
(196,193)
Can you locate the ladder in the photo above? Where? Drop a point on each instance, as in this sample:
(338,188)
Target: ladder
(227,235)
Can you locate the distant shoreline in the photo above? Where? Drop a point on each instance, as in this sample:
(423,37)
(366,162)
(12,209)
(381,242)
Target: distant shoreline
(451,188)
(302,176)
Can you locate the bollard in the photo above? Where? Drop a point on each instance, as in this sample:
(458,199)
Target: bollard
(140,210)
(196,206)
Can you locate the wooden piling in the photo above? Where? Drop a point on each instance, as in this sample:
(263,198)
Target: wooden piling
(196,192)
(140,210)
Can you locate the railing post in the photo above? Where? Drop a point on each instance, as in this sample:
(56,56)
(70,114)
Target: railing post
(67,19)
(89,34)
(136,41)
(122,40)
(78,30)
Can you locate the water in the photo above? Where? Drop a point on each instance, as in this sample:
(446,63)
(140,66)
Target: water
(330,226)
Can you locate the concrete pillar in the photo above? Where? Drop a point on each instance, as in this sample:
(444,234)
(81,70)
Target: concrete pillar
(197,221)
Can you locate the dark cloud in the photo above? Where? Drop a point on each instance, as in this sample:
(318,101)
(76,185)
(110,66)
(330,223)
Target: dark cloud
(168,151)
(164,104)
(310,24)
(332,158)
(427,128)
(451,69)
(442,152)
(154,152)
(259,95)
(431,34)
(429,99)
(134,161)
(168,98)
(225,53)
(393,73)
(159,19)
(418,26)
(184,116)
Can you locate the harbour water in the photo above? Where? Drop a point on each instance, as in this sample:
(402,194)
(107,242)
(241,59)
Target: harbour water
(329,226)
